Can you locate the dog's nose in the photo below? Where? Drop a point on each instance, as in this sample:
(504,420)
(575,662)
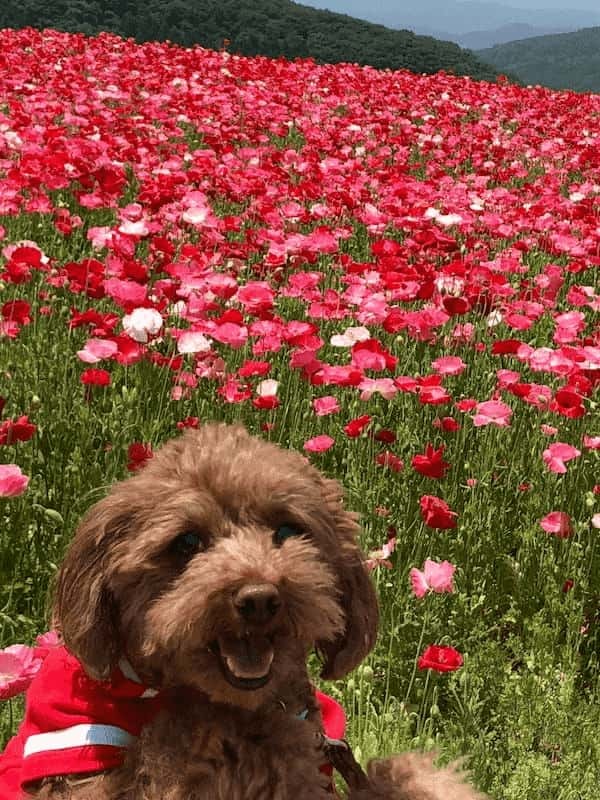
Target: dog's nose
(257,604)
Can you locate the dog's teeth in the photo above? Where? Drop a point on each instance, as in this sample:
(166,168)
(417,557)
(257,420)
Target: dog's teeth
(242,673)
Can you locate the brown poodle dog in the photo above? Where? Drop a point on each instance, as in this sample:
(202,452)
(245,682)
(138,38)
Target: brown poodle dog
(211,574)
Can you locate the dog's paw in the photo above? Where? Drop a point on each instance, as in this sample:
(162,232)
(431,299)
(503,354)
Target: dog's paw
(412,776)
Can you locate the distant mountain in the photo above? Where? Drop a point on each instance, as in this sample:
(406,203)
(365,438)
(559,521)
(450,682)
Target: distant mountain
(431,17)
(251,27)
(562,61)
(478,40)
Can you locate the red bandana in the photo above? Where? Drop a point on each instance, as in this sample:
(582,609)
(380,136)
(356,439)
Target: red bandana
(74,724)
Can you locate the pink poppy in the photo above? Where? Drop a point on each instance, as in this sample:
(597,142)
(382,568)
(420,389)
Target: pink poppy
(44,642)
(448,365)
(325,405)
(381,558)
(492,412)
(12,480)
(435,577)
(96,350)
(557,523)
(548,430)
(18,666)
(319,444)
(557,455)
(384,386)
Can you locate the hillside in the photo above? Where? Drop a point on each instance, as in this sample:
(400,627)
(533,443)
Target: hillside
(253,27)
(562,61)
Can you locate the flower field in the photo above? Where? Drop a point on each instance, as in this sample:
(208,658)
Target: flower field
(398,275)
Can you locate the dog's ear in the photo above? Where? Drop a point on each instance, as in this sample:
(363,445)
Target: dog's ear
(84,608)
(358,598)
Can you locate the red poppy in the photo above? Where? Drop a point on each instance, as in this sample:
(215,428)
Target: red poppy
(95,377)
(436,513)
(568,403)
(138,454)
(250,368)
(19,430)
(389,460)
(17,311)
(356,426)
(440,658)
(188,422)
(430,463)
(266,403)
(386,436)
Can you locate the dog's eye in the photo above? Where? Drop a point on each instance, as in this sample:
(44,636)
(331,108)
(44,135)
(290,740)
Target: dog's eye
(284,532)
(187,544)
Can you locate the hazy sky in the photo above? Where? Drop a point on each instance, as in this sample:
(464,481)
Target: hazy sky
(347,6)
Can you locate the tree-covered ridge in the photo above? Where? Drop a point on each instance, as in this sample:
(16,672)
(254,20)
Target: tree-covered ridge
(562,61)
(252,27)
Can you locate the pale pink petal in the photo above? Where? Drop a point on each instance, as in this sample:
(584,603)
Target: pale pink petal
(418,582)
(492,412)
(12,481)
(96,350)
(439,575)
(325,405)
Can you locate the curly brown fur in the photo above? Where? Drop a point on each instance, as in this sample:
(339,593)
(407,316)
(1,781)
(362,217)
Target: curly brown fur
(224,632)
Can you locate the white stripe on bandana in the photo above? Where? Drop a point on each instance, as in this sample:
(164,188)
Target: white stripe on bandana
(78,736)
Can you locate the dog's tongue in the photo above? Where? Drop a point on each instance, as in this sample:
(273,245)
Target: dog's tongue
(249,657)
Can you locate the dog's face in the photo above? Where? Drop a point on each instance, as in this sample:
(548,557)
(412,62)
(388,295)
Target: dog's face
(218,566)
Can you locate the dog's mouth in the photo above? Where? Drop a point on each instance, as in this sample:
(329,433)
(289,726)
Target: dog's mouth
(245,662)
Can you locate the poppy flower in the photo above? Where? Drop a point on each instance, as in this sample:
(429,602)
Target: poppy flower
(449,365)
(19,430)
(430,463)
(96,350)
(557,455)
(12,480)
(325,405)
(381,558)
(356,426)
(18,666)
(138,454)
(142,324)
(557,523)
(434,577)
(389,460)
(447,424)
(319,444)
(492,412)
(18,311)
(440,658)
(95,377)
(436,513)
